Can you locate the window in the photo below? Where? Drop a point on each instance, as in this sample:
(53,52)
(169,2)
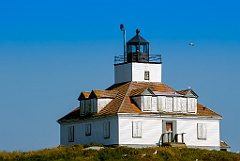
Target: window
(183,104)
(161,103)
(146,75)
(88,106)
(191,104)
(201,131)
(169,104)
(71,134)
(94,105)
(88,129)
(106,129)
(82,107)
(136,129)
(176,104)
(147,103)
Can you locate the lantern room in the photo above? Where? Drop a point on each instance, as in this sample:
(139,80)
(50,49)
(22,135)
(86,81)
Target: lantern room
(137,49)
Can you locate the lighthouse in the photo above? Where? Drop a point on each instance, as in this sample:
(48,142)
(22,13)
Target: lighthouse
(138,64)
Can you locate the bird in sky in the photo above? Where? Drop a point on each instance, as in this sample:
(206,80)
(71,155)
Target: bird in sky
(191,44)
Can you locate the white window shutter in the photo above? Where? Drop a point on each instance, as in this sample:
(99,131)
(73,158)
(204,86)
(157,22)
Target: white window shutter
(176,104)
(183,104)
(147,102)
(161,103)
(202,131)
(169,104)
(136,129)
(192,104)
(139,129)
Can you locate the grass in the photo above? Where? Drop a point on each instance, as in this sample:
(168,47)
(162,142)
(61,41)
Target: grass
(77,153)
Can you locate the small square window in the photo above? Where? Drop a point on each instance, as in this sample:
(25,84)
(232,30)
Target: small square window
(146,75)
(88,129)
(71,134)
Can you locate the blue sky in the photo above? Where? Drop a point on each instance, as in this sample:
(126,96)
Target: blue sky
(50,51)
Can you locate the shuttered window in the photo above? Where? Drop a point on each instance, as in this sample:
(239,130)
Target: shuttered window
(82,107)
(202,131)
(191,104)
(183,104)
(71,134)
(176,104)
(106,129)
(87,106)
(93,105)
(161,103)
(136,129)
(88,129)
(169,104)
(147,103)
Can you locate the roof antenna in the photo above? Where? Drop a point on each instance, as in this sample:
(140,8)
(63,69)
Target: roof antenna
(124,40)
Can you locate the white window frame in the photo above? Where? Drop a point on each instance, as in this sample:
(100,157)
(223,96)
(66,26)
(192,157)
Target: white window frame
(147,103)
(106,129)
(88,130)
(176,104)
(169,104)
(136,129)
(183,104)
(191,105)
(161,103)
(202,131)
(71,134)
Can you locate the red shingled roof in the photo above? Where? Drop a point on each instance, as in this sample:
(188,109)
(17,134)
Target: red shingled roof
(122,103)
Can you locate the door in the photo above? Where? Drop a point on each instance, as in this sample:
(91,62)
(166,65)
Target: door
(168,130)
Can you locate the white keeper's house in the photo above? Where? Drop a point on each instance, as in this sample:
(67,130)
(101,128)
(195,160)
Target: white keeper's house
(138,110)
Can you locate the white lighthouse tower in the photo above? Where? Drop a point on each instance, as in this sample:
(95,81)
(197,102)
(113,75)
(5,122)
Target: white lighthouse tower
(138,64)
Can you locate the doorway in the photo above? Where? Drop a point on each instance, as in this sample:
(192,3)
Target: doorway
(168,130)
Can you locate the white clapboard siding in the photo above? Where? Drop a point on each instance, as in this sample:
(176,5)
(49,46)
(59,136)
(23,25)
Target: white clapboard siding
(102,102)
(148,131)
(134,71)
(97,132)
(191,136)
(152,130)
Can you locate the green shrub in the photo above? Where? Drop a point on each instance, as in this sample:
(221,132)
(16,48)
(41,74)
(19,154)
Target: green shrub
(118,153)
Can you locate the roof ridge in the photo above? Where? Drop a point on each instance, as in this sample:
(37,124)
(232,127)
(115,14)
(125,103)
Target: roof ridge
(124,97)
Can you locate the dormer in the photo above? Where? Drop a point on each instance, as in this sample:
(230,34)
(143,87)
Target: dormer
(143,98)
(169,102)
(92,102)
(85,103)
(191,98)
